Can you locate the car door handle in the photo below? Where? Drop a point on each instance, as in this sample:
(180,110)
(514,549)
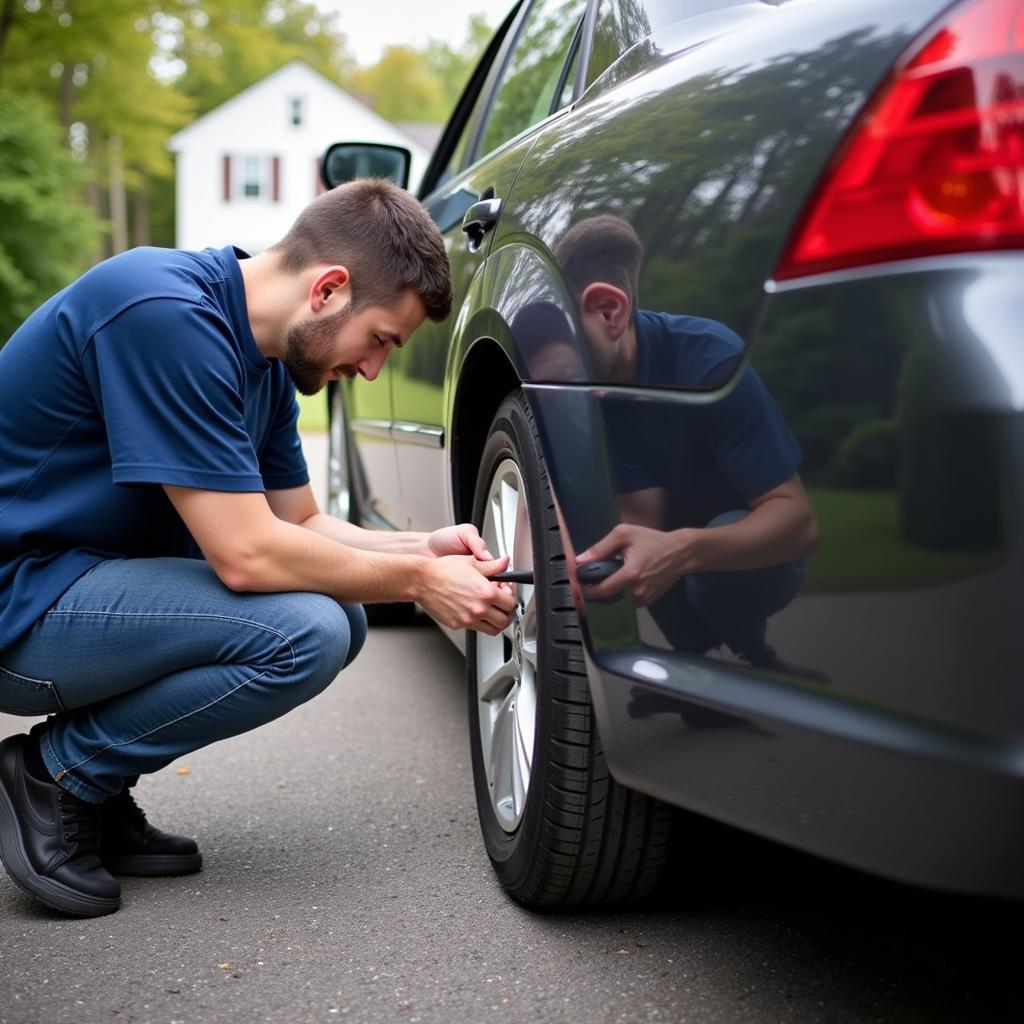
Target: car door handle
(479,219)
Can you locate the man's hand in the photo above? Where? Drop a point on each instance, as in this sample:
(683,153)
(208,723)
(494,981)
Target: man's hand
(652,561)
(462,539)
(457,593)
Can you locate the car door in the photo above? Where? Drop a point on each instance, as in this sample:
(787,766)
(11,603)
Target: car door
(369,425)
(527,79)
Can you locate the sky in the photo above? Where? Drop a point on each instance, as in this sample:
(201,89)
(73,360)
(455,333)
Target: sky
(371,25)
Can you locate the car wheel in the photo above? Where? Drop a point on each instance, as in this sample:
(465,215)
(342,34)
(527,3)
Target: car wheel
(341,499)
(559,831)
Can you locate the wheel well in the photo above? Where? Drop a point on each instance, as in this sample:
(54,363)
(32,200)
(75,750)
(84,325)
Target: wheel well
(487,377)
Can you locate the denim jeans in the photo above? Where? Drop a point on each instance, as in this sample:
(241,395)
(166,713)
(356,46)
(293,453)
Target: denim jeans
(144,660)
(733,606)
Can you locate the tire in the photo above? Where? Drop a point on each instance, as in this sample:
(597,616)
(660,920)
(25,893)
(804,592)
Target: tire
(342,503)
(566,834)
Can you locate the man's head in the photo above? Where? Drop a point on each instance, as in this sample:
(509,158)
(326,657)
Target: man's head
(375,265)
(601,258)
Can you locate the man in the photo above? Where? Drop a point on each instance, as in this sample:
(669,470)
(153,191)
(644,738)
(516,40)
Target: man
(166,578)
(715,521)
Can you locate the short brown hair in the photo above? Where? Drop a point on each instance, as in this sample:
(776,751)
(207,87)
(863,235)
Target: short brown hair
(601,248)
(384,237)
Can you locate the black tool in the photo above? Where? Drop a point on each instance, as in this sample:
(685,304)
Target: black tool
(589,572)
(514,576)
(595,572)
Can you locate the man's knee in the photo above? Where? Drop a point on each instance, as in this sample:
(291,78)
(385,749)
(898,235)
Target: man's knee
(357,631)
(322,638)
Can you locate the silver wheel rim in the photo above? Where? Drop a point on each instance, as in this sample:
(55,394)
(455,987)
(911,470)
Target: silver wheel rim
(339,502)
(506,665)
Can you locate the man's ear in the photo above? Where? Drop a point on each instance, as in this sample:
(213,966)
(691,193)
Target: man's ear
(610,303)
(329,288)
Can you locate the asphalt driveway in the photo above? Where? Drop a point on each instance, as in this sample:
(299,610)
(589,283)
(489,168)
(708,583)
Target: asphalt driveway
(345,879)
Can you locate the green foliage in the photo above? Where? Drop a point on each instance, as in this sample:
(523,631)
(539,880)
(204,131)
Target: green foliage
(452,65)
(90,64)
(423,85)
(220,47)
(42,235)
(121,76)
(863,546)
(869,455)
(401,87)
(532,75)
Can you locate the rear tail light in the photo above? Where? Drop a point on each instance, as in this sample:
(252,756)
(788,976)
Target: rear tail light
(935,163)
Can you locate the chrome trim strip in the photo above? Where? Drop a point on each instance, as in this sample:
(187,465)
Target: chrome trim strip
(418,433)
(371,428)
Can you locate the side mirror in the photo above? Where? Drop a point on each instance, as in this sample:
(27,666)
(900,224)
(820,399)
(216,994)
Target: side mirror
(347,160)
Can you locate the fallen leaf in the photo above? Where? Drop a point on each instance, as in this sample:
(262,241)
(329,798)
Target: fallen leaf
(225,966)
(182,771)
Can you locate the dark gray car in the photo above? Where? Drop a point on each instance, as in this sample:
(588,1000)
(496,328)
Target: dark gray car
(739,297)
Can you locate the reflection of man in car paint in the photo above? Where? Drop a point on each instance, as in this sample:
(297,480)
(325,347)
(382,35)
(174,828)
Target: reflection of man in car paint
(714,519)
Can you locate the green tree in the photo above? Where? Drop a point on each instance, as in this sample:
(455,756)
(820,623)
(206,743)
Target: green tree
(401,87)
(452,65)
(91,65)
(42,236)
(214,49)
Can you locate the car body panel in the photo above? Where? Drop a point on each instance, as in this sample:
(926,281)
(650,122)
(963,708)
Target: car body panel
(889,733)
(420,369)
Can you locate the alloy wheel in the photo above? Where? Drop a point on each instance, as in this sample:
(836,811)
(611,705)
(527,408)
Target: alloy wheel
(506,665)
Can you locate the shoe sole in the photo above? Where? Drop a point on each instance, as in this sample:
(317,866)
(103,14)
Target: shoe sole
(141,865)
(54,894)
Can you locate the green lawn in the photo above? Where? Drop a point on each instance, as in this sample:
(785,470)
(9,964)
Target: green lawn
(313,411)
(861,547)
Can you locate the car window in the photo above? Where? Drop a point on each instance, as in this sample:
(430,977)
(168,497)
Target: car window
(452,151)
(533,71)
(569,84)
(621,23)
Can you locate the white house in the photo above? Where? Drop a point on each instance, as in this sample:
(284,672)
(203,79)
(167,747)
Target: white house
(246,168)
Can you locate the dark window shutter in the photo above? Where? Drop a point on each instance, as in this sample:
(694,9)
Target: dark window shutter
(275,178)
(226,163)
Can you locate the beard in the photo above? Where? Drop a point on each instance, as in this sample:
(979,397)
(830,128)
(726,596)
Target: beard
(308,348)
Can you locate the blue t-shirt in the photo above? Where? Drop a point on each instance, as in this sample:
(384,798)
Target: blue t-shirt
(141,373)
(709,457)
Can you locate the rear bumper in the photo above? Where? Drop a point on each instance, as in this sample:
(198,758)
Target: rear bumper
(895,795)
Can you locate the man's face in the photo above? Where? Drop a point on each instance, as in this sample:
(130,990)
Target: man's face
(329,346)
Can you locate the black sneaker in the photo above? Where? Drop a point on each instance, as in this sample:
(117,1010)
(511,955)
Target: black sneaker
(129,845)
(49,840)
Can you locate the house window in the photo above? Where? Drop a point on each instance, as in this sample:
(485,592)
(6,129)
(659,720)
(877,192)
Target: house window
(252,177)
(295,110)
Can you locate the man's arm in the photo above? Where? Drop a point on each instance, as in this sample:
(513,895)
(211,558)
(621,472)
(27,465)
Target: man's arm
(253,549)
(781,526)
(299,506)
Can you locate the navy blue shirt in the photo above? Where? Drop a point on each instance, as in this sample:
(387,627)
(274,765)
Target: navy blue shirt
(141,373)
(709,457)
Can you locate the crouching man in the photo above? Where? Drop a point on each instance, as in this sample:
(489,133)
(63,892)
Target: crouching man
(166,578)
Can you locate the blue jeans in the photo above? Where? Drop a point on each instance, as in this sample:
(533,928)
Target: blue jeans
(706,609)
(144,660)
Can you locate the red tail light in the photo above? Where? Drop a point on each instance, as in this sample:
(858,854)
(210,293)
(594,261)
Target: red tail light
(935,163)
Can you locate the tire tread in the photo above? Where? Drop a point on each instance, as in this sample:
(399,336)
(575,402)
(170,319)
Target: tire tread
(599,843)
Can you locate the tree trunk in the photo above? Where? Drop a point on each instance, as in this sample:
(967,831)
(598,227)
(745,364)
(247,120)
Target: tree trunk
(65,99)
(140,214)
(95,197)
(6,20)
(118,197)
